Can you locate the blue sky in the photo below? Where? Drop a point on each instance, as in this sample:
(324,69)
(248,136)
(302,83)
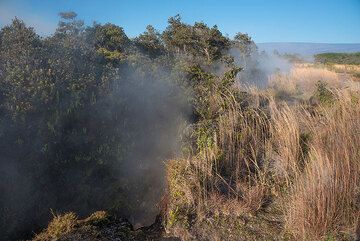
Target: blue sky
(322,21)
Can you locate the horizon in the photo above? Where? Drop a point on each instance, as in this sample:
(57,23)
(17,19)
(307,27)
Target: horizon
(329,22)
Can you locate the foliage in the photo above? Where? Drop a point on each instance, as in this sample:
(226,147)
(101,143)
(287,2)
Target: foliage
(150,42)
(83,109)
(292,58)
(89,115)
(198,40)
(245,44)
(338,58)
(323,93)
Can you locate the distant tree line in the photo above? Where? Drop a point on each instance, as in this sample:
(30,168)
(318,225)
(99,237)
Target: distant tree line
(338,58)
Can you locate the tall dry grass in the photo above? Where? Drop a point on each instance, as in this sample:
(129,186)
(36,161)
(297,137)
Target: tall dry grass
(286,149)
(227,175)
(324,200)
(301,81)
(234,151)
(310,156)
(346,68)
(349,71)
(243,138)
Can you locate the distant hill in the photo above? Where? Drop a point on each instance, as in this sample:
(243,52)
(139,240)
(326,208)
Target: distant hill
(308,49)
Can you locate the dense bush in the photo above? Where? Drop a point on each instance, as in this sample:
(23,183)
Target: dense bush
(88,115)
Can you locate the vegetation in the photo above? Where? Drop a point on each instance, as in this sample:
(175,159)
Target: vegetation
(338,58)
(97,227)
(89,116)
(292,58)
(271,170)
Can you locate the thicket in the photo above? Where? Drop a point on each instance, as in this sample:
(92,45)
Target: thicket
(89,115)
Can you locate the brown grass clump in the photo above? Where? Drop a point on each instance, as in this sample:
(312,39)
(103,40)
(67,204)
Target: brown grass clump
(98,217)
(60,225)
(325,199)
(287,150)
(227,177)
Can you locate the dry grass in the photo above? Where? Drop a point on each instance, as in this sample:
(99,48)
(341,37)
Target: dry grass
(350,71)
(324,201)
(227,177)
(60,225)
(301,81)
(286,142)
(346,68)
(306,160)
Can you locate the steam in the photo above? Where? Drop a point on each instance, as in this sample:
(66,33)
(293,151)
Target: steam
(271,63)
(258,67)
(158,113)
(146,111)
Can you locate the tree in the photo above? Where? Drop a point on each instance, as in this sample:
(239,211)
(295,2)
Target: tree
(69,24)
(150,42)
(19,52)
(178,37)
(198,40)
(245,45)
(111,41)
(210,41)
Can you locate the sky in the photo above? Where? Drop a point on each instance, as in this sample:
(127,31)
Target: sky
(319,21)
